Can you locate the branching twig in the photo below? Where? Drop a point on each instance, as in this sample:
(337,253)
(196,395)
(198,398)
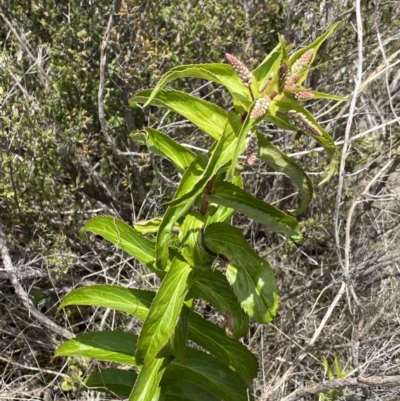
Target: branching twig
(23,296)
(361,382)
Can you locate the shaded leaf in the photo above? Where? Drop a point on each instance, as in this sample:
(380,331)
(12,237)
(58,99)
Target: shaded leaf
(250,276)
(227,194)
(192,248)
(276,159)
(113,381)
(208,373)
(215,289)
(181,390)
(226,349)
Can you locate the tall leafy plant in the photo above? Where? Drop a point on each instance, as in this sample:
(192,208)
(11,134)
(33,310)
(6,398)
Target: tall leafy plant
(165,367)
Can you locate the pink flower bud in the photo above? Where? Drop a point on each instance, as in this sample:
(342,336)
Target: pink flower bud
(304,95)
(239,68)
(260,108)
(300,120)
(251,149)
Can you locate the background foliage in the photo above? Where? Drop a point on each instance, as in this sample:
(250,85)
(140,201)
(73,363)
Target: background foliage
(59,168)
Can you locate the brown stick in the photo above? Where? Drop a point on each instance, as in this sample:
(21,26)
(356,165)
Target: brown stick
(23,296)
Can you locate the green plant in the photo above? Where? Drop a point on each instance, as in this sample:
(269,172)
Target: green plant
(332,395)
(209,193)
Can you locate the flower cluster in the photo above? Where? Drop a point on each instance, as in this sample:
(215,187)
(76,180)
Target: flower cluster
(302,62)
(251,148)
(239,68)
(300,120)
(304,95)
(260,108)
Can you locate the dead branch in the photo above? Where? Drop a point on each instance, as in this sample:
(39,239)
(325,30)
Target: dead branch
(360,382)
(23,296)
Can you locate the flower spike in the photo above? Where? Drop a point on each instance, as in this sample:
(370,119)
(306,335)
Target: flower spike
(300,120)
(239,68)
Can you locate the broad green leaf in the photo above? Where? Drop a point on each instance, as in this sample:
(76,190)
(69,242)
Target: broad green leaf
(208,373)
(192,176)
(113,381)
(250,276)
(207,116)
(268,67)
(227,194)
(221,213)
(125,238)
(214,288)
(192,247)
(220,155)
(147,383)
(113,346)
(162,145)
(276,159)
(180,390)
(222,74)
(314,45)
(129,300)
(226,349)
(324,140)
(164,311)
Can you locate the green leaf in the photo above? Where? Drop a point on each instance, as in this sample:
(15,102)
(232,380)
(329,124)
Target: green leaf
(222,74)
(250,276)
(192,248)
(129,300)
(328,370)
(173,213)
(276,159)
(162,145)
(124,237)
(113,346)
(324,140)
(215,289)
(220,155)
(164,311)
(117,382)
(208,373)
(314,45)
(226,349)
(145,227)
(227,194)
(223,214)
(181,390)
(269,65)
(207,116)
(146,385)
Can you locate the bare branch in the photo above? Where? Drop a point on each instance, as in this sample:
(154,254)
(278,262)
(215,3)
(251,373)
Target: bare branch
(23,296)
